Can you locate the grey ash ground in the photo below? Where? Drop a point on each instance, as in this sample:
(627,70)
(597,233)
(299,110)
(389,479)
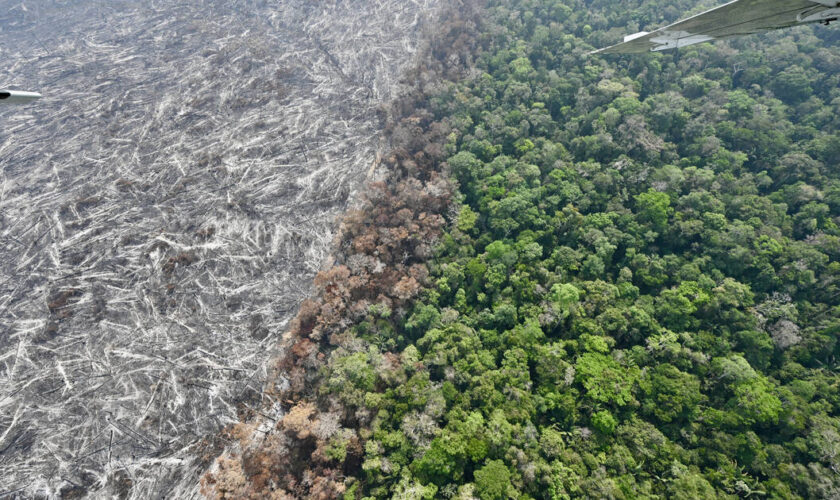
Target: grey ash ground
(163,210)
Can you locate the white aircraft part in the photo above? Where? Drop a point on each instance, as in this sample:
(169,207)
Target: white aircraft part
(819,17)
(736,18)
(674,40)
(635,36)
(827,3)
(17,96)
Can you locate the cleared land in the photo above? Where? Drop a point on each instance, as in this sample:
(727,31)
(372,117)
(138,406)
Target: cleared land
(163,210)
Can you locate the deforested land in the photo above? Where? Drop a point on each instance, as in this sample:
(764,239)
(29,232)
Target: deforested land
(163,210)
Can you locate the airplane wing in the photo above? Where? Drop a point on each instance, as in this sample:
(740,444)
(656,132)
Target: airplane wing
(736,18)
(17,96)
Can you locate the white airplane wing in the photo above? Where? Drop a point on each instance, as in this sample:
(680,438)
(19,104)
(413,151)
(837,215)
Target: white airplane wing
(17,96)
(737,18)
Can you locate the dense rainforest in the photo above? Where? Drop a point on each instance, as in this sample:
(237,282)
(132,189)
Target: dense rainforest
(629,286)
